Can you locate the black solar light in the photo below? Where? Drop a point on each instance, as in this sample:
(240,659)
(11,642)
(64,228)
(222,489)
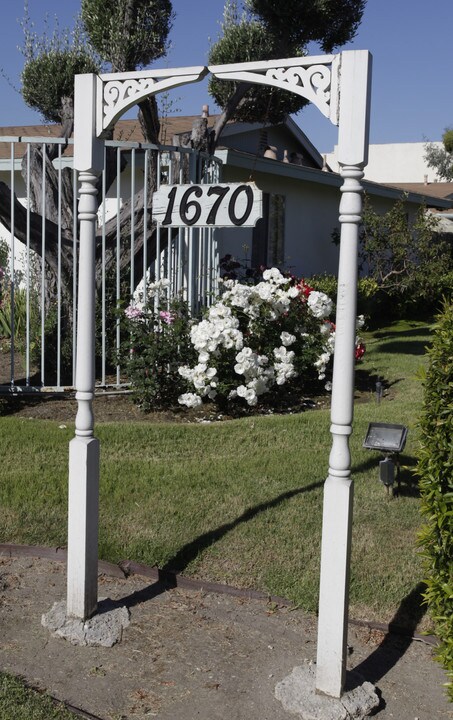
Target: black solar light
(389,439)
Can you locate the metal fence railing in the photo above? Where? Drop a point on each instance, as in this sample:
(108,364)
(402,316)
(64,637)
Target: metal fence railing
(39,248)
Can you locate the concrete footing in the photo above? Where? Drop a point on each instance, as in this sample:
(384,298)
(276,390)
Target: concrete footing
(104,629)
(297,693)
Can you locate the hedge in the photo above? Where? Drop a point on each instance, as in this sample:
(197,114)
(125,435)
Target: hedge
(435,471)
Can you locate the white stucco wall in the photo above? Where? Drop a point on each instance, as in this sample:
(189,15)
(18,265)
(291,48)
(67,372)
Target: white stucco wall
(394,163)
(311,214)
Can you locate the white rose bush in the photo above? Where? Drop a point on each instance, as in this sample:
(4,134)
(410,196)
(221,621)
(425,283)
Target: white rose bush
(258,338)
(255,342)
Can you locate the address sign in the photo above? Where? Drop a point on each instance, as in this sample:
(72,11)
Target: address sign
(223,205)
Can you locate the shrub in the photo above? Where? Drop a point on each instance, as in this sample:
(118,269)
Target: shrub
(253,340)
(409,260)
(325,283)
(21,313)
(157,332)
(435,470)
(367,292)
(256,338)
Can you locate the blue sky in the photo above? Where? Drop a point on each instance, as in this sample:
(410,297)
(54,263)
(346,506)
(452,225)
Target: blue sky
(410,40)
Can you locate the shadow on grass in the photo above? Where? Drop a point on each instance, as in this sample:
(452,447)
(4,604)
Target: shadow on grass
(371,464)
(399,638)
(365,381)
(408,479)
(404,347)
(176,564)
(419,330)
(406,486)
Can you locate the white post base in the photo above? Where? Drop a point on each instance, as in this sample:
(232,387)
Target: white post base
(82,569)
(334,586)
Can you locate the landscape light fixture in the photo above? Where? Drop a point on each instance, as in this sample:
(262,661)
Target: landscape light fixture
(389,439)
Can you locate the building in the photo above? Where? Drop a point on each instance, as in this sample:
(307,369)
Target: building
(301,197)
(394,163)
(300,191)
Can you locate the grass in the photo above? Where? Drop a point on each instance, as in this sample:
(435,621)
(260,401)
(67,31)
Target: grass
(18,702)
(238,502)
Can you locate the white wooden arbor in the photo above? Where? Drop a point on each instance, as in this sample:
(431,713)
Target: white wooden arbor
(339,85)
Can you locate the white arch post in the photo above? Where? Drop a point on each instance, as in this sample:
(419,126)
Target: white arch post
(83,501)
(339,85)
(99,101)
(338,489)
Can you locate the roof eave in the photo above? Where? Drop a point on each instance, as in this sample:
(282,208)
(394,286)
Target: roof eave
(239,159)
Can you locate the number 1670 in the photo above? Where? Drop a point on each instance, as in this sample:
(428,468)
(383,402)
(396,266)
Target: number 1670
(225,205)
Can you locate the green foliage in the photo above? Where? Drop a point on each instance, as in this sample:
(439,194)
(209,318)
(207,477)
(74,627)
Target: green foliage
(330,23)
(435,470)
(20,315)
(51,61)
(245,41)
(4,254)
(409,262)
(367,291)
(18,295)
(58,348)
(441,158)
(325,283)
(269,30)
(447,139)
(50,77)
(128,35)
(157,344)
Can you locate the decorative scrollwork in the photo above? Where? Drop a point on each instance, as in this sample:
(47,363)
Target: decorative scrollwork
(120,94)
(312,82)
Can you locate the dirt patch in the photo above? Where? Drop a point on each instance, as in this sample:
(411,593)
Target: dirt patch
(194,654)
(115,406)
(119,406)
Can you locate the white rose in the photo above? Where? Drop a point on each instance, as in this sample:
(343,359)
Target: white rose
(287,338)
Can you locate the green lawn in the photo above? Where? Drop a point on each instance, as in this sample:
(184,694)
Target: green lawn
(237,502)
(17,702)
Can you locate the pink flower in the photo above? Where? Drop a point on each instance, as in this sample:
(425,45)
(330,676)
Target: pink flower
(167,317)
(132,312)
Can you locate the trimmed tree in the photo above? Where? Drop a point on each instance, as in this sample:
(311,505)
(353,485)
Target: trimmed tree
(267,30)
(122,36)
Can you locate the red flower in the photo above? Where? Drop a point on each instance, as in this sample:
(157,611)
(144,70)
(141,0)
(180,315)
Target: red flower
(359,351)
(303,288)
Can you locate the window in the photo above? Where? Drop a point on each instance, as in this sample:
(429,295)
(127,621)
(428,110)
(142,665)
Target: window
(269,233)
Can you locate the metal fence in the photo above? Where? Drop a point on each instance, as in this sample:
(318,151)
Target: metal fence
(38,300)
